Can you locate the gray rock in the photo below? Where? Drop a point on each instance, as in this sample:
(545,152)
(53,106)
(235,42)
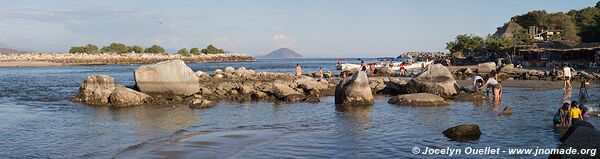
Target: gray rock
(167,77)
(229,70)
(354,91)
(95,90)
(386,70)
(281,91)
(418,99)
(125,97)
(436,79)
(201,103)
(463,132)
(485,68)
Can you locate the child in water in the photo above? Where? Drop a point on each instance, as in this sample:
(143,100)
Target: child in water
(583,93)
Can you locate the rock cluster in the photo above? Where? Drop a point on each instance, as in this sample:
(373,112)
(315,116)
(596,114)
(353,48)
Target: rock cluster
(100,90)
(418,99)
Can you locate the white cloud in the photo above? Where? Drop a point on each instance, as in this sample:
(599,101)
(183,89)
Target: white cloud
(280,37)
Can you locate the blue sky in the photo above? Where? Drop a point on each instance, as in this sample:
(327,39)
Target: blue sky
(314,28)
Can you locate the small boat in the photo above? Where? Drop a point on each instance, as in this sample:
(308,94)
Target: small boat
(395,63)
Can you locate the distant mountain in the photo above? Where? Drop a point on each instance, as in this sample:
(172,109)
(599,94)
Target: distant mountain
(9,50)
(283,53)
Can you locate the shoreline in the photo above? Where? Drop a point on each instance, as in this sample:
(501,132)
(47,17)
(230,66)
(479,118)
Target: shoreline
(68,59)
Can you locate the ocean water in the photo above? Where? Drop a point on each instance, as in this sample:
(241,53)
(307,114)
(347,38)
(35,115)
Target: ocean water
(38,121)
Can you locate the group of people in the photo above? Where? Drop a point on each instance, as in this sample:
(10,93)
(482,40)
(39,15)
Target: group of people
(321,74)
(491,82)
(569,113)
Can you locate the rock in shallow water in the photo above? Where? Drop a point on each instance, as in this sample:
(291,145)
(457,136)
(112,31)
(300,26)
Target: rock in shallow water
(124,97)
(95,90)
(436,79)
(463,132)
(168,77)
(354,91)
(200,103)
(418,99)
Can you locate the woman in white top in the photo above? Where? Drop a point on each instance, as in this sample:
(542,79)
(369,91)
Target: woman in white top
(567,77)
(492,82)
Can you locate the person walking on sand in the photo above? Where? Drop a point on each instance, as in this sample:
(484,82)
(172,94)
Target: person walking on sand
(298,70)
(491,82)
(567,77)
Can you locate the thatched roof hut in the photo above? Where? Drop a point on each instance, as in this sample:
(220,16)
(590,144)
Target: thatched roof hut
(506,30)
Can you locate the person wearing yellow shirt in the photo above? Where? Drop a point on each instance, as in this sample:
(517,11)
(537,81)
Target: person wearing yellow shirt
(575,113)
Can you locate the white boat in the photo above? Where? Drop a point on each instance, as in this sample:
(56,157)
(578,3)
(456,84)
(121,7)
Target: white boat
(408,63)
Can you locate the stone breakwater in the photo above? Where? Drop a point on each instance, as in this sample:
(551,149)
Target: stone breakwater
(142,58)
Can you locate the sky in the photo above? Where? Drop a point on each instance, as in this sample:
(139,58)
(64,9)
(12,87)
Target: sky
(314,28)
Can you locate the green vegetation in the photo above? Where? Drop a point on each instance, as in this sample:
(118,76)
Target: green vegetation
(155,49)
(115,48)
(122,48)
(136,49)
(184,52)
(464,44)
(89,48)
(210,49)
(195,51)
(469,43)
(576,25)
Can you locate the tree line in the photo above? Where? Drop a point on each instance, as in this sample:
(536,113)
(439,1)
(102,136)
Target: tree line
(122,48)
(576,25)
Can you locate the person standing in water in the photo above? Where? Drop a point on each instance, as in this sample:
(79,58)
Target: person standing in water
(372,69)
(298,70)
(477,83)
(575,112)
(492,82)
(583,93)
(567,77)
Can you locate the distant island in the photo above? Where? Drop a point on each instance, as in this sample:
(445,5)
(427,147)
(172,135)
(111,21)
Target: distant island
(282,53)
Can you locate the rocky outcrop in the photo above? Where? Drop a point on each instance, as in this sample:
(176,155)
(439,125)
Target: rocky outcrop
(418,99)
(168,77)
(581,135)
(463,132)
(95,90)
(436,79)
(287,93)
(354,91)
(386,70)
(125,97)
(485,68)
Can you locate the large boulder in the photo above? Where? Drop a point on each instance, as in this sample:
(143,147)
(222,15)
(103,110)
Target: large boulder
(386,70)
(354,91)
(167,77)
(436,79)
(124,97)
(508,68)
(418,99)
(581,135)
(95,90)
(485,68)
(463,132)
